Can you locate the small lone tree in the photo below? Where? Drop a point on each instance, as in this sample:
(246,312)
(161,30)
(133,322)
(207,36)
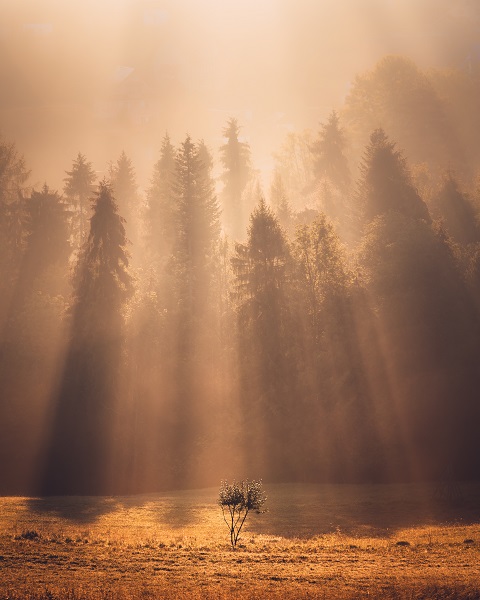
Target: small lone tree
(236,501)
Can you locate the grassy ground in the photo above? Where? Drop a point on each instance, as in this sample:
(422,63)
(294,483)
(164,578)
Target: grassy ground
(334,542)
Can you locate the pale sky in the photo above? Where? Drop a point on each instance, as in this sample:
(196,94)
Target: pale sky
(99,76)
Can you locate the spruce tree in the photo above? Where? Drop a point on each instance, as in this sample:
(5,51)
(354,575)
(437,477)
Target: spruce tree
(80,453)
(125,190)
(385,182)
(13,177)
(47,242)
(235,159)
(190,317)
(197,225)
(160,214)
(266,330)
(456,210)
(78,188)
(330,162)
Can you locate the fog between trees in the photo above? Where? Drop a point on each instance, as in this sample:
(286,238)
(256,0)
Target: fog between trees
(322,328)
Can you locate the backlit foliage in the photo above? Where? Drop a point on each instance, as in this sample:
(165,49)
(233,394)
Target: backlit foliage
(236,500)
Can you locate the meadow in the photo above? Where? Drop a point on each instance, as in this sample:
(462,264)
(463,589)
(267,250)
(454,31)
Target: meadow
(315,541)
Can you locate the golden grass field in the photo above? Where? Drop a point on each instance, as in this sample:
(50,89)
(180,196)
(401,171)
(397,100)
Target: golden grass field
(315,541)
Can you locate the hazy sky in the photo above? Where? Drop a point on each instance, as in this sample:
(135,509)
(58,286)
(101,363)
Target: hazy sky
(99,76)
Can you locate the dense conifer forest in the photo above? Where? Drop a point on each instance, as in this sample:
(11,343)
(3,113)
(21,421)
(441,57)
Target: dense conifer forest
(321,324)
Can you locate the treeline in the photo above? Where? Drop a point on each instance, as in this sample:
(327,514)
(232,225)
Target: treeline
(324,330)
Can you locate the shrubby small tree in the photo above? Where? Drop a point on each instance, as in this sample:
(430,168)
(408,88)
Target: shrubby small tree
(236,501)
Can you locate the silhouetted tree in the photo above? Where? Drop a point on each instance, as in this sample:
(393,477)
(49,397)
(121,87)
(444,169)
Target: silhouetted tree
(328,149)
(47,243)
(13,172)
(457,212)
(197,227)
(385,183)
(266,337)
(235,159)
(81,448)
(125,190)
(78,188)
(236,501)
(191,269)
(160,214)
(425,320)
(13,176)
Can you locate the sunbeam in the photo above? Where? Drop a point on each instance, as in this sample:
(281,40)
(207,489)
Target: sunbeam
(239,246)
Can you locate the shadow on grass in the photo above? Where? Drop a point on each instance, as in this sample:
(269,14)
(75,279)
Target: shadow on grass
(177,510)
(294,510)
(83,509)
(301,511)
(77,509)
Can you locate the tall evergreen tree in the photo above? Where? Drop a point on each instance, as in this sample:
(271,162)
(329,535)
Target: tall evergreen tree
(78,188)
(125,190)
(13,176)
(385,183)
(80,453)
(13,230)
(266,339)
(192,272)
(425,320)
(160,214)
(457,212)
(13,172)
(197,225)
(328,149)
(235,159)
(47,243)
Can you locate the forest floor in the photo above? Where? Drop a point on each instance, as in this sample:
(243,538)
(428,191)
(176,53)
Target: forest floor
(315,541)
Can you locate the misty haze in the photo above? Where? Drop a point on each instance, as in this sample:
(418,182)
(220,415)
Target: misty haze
(240,241)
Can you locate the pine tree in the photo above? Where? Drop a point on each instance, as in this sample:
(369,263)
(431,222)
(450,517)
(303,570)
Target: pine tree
(13,177)
(385,183)
(330,162)
(78,188)
(13,172)
(192,272)
(81,446)
(197,216)
(125,190)
(160,214)
(102,282)
(456,210)
(266,331)
(235,159)
(260,264)
(425,318)
(47,242)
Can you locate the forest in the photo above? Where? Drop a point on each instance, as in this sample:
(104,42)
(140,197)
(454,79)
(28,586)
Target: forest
(321,325)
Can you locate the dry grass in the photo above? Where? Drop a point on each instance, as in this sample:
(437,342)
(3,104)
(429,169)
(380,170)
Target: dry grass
(338,542)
